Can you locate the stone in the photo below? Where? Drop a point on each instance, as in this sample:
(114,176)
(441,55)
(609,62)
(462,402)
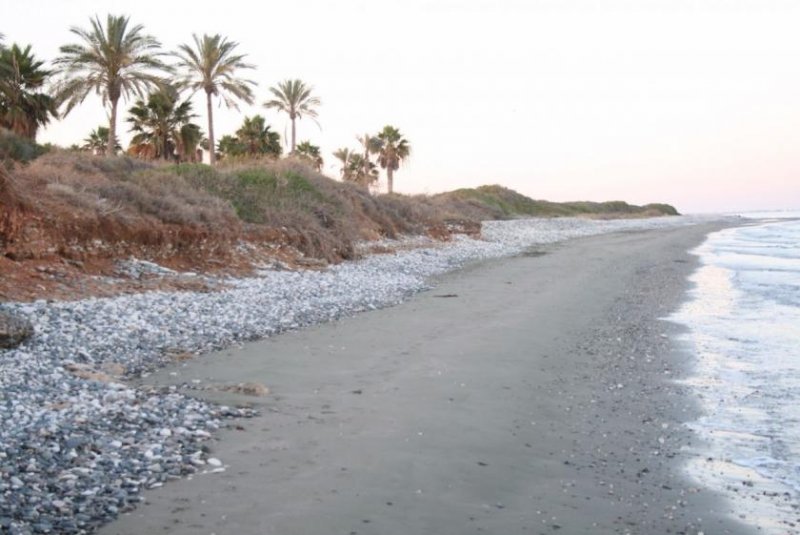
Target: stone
(13,330)
(247,389)
(83,371)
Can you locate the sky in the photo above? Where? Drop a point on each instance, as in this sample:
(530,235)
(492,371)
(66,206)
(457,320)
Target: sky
(695,103)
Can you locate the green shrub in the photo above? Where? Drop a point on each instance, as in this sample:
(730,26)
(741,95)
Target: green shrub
(14,148)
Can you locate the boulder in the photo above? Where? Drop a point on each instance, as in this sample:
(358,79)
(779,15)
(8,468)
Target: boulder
(13,330)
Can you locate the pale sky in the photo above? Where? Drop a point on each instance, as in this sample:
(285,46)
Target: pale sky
(691,102)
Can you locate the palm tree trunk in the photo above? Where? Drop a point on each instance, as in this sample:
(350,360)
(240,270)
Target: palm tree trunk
(390,179)
(165,146)
(293,136)
(111,143)
(212,151)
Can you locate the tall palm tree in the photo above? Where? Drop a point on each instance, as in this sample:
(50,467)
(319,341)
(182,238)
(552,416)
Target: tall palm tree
(394,148)
(294,98)
(114,61)
(160,122)
(23,107)
(311,153)
(211,65)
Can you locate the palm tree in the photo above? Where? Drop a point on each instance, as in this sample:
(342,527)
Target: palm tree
(371,145)
(253,138)
(344,155)
(211,65)
(160,121)
(257,137)
(230,146)
(357,169)
(394,148)
(363,171)
(187,142)
(294,98)
(97,142)
(23,107)
(310,153)
(113,61)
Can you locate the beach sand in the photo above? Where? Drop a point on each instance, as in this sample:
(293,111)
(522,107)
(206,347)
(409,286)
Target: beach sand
(533,394)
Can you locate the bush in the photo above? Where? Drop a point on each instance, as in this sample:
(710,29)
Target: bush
(14,148)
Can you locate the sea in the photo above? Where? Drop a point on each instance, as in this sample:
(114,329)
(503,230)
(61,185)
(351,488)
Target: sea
(742,322)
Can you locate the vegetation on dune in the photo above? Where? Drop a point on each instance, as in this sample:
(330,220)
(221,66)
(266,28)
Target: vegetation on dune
(14,148)
(498,202)
(81,205)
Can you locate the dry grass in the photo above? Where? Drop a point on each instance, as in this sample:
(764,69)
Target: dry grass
(77,205)
(80,207)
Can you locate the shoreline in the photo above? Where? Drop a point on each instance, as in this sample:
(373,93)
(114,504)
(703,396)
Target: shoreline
(734,455)
(575,423)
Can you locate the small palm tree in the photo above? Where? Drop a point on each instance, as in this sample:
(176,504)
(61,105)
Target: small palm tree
(212,65)
(23,107)
(253,138)
(257,137)
(394,148)
(370,145)
(230,146)
(310,153)
(97,142)
(294,98)
(160,122)
(344,155)
(362,171)
(187,142)
(114,61)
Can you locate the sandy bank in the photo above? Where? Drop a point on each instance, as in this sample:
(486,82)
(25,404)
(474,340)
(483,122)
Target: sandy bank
(527,395)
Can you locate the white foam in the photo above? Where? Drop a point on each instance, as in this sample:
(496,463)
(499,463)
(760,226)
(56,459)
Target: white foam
(744,326)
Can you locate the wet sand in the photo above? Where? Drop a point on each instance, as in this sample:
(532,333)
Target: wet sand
(534,394)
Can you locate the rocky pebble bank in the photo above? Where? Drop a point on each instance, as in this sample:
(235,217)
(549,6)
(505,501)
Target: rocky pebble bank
(78,445)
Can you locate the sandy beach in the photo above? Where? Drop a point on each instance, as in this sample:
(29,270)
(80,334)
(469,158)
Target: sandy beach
(532,394)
